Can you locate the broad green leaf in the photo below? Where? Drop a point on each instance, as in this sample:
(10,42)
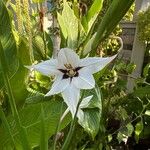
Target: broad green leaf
(8,41)
(30,117)
(92,14)
(69,25)
(124,133)
(92,115)
(95,9)
(91,121)
(138,129)
(114,14)
(142,91)
(62,25)
(15,61)
(19,79)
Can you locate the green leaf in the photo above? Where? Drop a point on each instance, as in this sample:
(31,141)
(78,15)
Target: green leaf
(18,80)
(124,133)
(147,112)
(92,14)
(92,115)
(146,70)
(95,9)
(30,117)
(69,26)
(142,91)
(16,61)
(8,41)
(138,129)
(114,14)
(88,46)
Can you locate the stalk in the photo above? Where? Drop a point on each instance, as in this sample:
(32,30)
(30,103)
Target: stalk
(22,132)
(28,27)
(43,140)
(58,127)
(19,17)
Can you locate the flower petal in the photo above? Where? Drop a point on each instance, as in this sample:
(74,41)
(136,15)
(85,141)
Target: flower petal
(71,97)
(68,56)
(47,67)
(58,86)
(84,80)
(95,64)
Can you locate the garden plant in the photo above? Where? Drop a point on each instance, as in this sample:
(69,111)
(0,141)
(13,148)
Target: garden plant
(62,80)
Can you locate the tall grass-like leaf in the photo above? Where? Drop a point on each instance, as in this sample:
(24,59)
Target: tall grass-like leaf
(16,57)
(114,14)
(3,63)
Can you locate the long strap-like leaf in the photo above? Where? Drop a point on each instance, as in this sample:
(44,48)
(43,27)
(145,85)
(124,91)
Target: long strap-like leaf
(114,14)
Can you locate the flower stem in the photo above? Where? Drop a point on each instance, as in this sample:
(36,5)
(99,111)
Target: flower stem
(58,126)
(43,138)
(72,126)
(22,131)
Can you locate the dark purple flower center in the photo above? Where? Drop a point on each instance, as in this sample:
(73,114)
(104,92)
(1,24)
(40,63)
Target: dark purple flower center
(70,73)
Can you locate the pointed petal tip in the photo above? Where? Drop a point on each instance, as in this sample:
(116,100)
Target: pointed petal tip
(47,94)
(29,67)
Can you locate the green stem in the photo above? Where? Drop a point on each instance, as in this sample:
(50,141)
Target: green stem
(5,72)
(44,139)
(58,127)
(6,125)
(72,126)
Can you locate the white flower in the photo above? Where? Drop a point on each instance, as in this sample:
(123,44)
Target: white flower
(71,74)
(46,24)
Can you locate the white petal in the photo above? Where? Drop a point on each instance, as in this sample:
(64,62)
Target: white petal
(84,80)
(46,67)
(85,102)
(71,97)
(95,64)
(58,86)
(68,56)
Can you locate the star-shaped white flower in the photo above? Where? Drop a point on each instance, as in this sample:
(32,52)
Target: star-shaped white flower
(71,74)
(46,24)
